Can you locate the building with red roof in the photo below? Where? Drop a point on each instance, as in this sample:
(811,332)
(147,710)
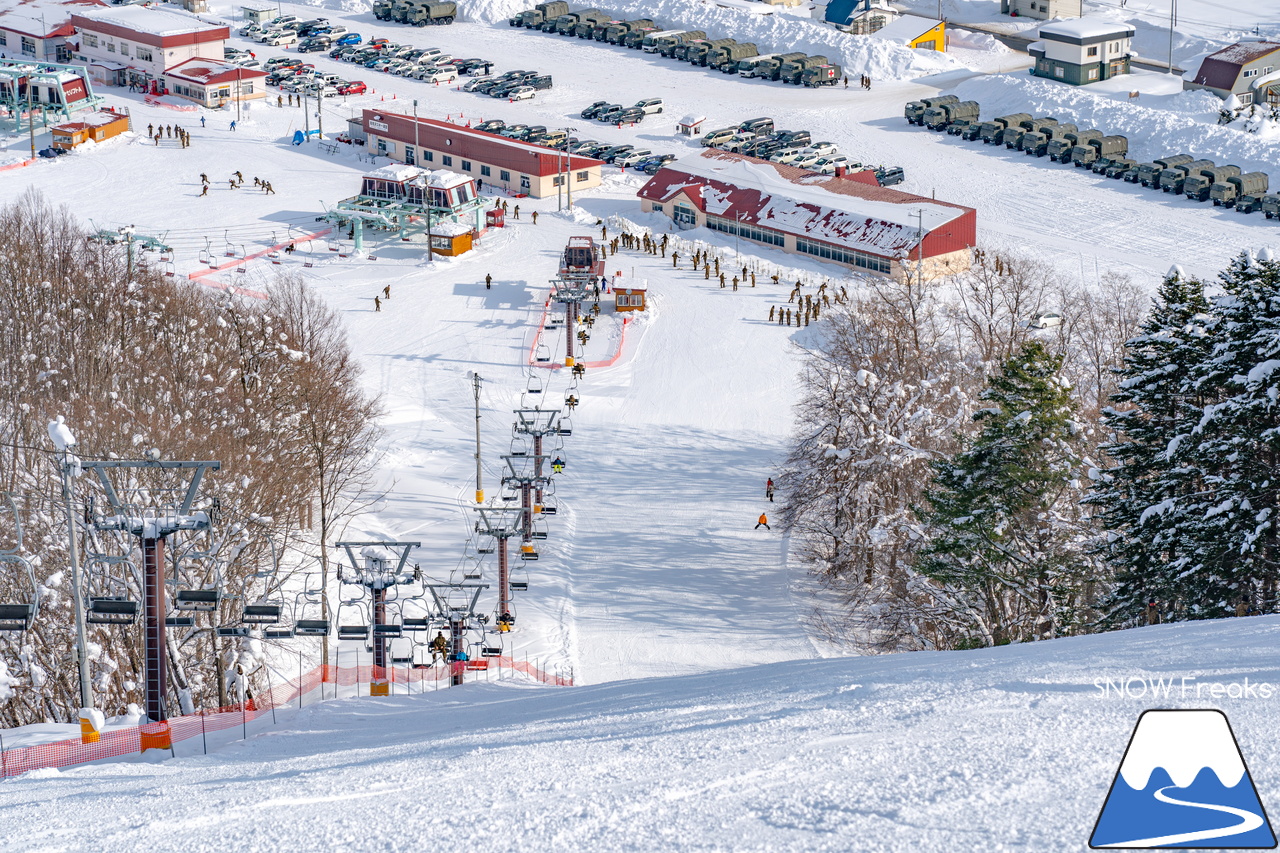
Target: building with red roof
(94,127)
(1246,69)
(135,45)
(212,82)
(40,29)
(518,167)
(845,219)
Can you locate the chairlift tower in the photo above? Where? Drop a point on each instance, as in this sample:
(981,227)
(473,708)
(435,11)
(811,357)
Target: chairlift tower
(527,480)
(458,619)
(537,423)
(377,574)
(571,293)
(502,523)
(153,525)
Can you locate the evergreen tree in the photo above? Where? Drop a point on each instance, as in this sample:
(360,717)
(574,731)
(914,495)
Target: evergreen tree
(1230,522)
(1006,551)
(1142,496)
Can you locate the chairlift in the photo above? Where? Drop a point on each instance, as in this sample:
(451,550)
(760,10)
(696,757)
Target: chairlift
(113,610)
(529,556)
(308,260)
(179,621)
(230,249)
(109,600)
(242,261)
(309,609)
(232,630)
(564,426)
(19,615)
(353,617)
(519,586)
(535,384)
(491,651)
(264,611)
(287,633)
(542,354)
(169,269)
(206,257)
(199,600)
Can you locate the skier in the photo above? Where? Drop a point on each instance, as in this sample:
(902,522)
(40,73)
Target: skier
(270,190)
(439,648)
(675,259)
(488,282)
(764,520)
(505,621)
(557,465)
(204,179)
(239,177)
(768,486)
(233,126)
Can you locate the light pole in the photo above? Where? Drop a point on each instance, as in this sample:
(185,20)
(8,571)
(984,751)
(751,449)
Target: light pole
(417,152)
(568,168)
(1173,19)
(239,90)
(475,385)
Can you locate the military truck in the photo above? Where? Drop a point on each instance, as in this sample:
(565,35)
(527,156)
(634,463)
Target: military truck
(1271,205)
(1248,203)
(937,118)
(1198,184)
(1228,193)
(768,68)
(1060,148)
(1108,147)
(990,131)
(382,9)
(1013,135)
(726,59)
(564,24)
(543,12)
(1173,178)
(697,52)
(821,75)
(588,22)
(614,33)
(668,48)
(1149,173)
(400,10)
(789,72)
(1036,143)
(914,110)
(680,51)
(1120,167)
(433,12)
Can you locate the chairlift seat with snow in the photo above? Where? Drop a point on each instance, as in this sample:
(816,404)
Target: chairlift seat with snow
(312,627)
(179,621)
(16,617)
(261,614)
(111,611)
(199,600)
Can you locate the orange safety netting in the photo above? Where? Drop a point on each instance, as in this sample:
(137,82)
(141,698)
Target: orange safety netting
(117,742)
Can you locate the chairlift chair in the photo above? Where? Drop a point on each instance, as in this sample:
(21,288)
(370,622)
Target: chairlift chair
(353,618)
(309,607)
(535,384)
(169,269)
(261,614)
(19,615)
(179,621)
(308,260)
(519,586)
(199,600)
(232,630)
(107,574)
(542,354)
(111,610)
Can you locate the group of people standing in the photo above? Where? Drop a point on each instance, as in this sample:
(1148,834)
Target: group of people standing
(169,131)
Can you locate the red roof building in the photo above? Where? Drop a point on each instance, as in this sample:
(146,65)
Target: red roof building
(848,219)
(1246,69)
(493,160)
(139,43)
(41,31)
(212,82)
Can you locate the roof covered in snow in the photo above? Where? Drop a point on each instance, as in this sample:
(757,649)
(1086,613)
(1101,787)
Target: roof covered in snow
(42,18)
(96,119)
(905,29)
(402,173)
(836,210)
(1222,69)
(1081,30)
(146,19)
(211,72)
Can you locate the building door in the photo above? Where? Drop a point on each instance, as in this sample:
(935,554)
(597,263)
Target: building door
(524,183)
(410,156)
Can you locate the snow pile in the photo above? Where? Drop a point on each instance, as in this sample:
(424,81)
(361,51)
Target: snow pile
(1155,125)
(7,682)
(769,32)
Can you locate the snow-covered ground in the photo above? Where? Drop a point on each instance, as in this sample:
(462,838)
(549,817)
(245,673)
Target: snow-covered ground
(653,587)
(995,750)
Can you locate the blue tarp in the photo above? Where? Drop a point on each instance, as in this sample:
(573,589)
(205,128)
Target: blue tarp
(839,12)
(299,137)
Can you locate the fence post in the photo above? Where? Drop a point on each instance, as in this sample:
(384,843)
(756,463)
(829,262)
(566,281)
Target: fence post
(271,693)
(300,689)
(4,766)
(203,740)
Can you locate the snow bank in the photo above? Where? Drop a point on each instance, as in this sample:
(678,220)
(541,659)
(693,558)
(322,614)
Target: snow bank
(770,32)
(1155,124)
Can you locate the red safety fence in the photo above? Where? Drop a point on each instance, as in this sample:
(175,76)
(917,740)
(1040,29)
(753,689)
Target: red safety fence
(115,743)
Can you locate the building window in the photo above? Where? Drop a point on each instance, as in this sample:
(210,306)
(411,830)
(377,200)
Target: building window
(428,156)
(1093,74)
(143,54)
(1059,71)
(4,38)
(524,182)
(504,176)
(446,160)
(557,181)
(1093,51)
(684,215)
(246,88)
(466,165)
(382,146)
(124,49)
(28,46)
(111,47)
(88,39)
(1245,97)
(485,171)
(582,176)
(1252,72)
(746,229)
(1267,70)
(408,155)
(853,258)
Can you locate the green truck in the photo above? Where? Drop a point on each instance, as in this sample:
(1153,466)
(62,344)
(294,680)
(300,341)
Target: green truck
(1230,192)
(422,13)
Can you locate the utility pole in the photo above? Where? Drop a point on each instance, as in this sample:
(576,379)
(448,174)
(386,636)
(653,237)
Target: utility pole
(306,117)
(417,158)
(568,162)
(31,121)
(475,386)
(64,441)
(127,233)
(1173,20)
(239,90)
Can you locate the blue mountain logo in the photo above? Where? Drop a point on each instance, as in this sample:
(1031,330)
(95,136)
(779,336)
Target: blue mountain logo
(1183,783)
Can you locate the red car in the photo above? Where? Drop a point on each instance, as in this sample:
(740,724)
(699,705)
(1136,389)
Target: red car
(378,43)
(355,87)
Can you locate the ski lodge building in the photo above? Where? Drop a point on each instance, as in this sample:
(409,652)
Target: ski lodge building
(518,167)
(125,45)
(213,82)
(846,219)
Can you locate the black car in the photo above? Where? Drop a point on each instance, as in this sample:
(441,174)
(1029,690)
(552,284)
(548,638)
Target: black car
(338,51)
(487,86)
(540,81)
(493,125)
(793,138)
(758,126)
(610,113)
(631,115)
(611,154)
(591,111)
(763,149)
(888,176)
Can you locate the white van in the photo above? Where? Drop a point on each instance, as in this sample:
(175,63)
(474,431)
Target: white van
(441,75)
(715,137)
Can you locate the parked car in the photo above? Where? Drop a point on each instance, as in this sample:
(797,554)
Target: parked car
(652,165)
(522,93)
(313,44)
(650,105)
(582,146)
(471,84)
(233,52)
(282,39)
(822,149)
(610,113)
(1047,320)
(758,126)
(354,87)
(249,30)
(631,115)
(594,109)
(737,142)
(793,137)
(349,38)
(828,165)
(888,176)
(786,155)
(440,76)
(633,157)
(614,152)
(493,125)
(512,130)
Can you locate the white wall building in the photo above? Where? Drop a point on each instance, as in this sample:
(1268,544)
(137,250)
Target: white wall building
(137,43)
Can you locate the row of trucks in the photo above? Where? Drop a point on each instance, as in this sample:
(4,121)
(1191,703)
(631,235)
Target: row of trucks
(724,54)
(1063,142)
(419,13)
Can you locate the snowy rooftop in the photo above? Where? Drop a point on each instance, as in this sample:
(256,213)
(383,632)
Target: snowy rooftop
(438,178)
(144,19)
(97,119)
(210,71)
(905,28)
(1245,51)
(1086,28)
(42,17)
